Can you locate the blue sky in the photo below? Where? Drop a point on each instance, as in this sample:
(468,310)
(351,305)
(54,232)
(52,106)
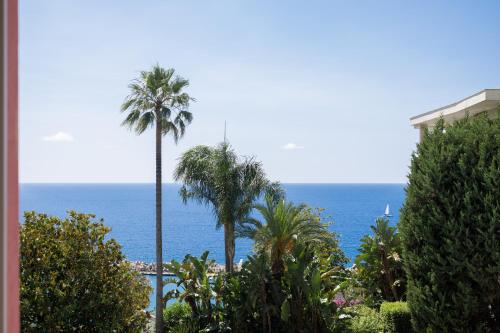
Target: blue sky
(334,82)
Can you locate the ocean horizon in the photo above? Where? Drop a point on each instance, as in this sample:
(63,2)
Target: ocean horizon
(129,210)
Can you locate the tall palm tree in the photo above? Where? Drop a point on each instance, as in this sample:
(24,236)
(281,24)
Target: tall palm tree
(157,99)
(215,176)
(286,225)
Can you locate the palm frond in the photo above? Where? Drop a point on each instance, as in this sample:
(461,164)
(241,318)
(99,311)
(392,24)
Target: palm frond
(168,127)
(146,120)
(178,84)
(286,226)
(131,118)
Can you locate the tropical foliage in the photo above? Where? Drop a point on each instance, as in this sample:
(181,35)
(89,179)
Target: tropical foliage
(279,235)
(157,99)
(75,279)
(450,228)
(292,288)
(305,262)
(379,266)
(215,176)
(195,287)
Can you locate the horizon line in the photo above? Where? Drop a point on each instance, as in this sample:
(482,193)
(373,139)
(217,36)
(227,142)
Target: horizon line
(147,183)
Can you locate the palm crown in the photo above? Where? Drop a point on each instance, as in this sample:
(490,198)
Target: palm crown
(157,97)
(216,177)
(286,226)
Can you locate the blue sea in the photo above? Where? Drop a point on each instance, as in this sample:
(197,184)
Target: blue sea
(129,209)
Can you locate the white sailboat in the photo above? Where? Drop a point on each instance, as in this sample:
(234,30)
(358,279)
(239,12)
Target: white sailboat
(387,212)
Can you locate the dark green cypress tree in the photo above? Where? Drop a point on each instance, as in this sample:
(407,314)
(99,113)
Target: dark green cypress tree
(450,227)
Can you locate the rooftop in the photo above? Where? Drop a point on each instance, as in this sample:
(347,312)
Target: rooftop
(486,100)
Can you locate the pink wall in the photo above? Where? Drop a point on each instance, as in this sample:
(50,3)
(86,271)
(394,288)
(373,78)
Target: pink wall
(9,177)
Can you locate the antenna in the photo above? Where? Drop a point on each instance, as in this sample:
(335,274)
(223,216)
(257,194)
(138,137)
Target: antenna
(224,131)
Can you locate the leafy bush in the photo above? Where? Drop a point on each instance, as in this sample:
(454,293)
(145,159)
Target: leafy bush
(175,316)
(364,320)
(73,280)
(199,291)
(450,226)
(396,317)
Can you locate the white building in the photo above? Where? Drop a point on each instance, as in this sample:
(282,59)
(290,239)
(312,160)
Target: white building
(485,101)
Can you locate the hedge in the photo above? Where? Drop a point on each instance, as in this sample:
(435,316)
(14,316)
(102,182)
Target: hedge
(396,317)
(450,228)
(364,320)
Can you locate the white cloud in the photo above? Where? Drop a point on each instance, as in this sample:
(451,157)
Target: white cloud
(59,137)
(292,146)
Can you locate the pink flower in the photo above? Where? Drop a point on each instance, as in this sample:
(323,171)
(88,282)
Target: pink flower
(340,302)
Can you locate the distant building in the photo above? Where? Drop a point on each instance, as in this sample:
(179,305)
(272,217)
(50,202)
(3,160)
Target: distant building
(486,101)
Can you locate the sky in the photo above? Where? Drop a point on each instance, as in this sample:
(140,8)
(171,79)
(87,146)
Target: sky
(319,91)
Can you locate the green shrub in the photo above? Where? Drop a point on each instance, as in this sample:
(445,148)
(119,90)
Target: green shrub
(194,287)
(450,227)
(396,317)
(74,280)
(252,299)
(176,316)
(364,320)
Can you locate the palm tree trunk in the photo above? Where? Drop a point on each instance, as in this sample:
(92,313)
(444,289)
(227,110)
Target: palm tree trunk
(388,274)
(229,246)
(159,253)
(277,265)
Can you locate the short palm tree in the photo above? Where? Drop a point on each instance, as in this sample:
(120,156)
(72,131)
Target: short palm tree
(286,225)
(214,176)
(379,261)
(157,99)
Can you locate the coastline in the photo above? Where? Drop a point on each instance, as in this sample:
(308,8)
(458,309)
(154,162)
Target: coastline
(146,268)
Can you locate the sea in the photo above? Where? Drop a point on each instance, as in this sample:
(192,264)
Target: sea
(129,210)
